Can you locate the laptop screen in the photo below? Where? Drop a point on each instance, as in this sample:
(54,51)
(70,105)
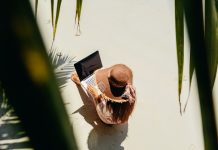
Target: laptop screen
(88,65)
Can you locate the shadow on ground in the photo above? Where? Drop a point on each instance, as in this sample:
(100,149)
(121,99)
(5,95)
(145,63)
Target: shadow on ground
(12,134)
(63,65)
(102,136)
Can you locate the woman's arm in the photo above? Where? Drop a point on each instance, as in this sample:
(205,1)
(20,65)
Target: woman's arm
(75,78)
(94,93)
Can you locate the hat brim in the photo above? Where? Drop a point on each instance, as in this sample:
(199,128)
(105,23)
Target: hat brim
(105,86)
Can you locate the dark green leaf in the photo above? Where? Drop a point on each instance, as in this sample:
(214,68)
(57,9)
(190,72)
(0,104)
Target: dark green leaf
(36,7)
(211,44)
(211,38)
(40,107)
(52,12)
(195,25)
(180,44)
(216,4)
(56,18)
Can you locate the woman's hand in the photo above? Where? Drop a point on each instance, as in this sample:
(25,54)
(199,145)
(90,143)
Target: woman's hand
(75,78)
(92,91)
(129,93)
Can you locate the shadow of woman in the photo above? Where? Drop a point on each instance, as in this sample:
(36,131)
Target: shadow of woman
(102,136)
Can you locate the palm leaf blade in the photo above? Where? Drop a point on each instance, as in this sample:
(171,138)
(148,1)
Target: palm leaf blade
(41,91)
(52,13)
(78,14)
(194,20)
(180,44)
(211,38)
(56,18)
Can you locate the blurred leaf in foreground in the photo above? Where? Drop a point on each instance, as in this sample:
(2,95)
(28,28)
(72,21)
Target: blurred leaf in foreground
(29,80)
(36,7)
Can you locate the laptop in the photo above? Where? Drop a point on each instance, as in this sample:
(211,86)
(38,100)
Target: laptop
(86,67)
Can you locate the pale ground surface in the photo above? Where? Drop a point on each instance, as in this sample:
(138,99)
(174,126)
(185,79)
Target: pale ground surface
(141,35)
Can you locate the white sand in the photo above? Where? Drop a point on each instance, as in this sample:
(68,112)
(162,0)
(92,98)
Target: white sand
(141,35)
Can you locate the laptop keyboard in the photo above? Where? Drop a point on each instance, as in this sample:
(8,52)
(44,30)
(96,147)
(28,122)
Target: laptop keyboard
(90,81)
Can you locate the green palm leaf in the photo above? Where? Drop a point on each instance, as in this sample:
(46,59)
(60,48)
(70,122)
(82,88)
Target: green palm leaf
(195,25)
(211,38)
(78,14)
(42,99)
(180,44)
(56,18)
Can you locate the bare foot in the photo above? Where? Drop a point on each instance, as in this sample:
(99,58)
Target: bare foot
(75,78)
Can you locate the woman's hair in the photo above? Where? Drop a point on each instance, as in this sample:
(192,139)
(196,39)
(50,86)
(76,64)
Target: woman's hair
(121,111)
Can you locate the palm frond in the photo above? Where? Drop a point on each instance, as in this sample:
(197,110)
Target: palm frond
(56,18)
(194,20)
(211,38)
(180,45)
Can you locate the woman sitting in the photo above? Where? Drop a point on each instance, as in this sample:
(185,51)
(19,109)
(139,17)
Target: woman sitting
(115,96)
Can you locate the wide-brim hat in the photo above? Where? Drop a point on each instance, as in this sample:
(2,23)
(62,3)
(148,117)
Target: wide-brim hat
(112,81)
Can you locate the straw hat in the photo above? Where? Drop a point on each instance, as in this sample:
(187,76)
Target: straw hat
(112,81)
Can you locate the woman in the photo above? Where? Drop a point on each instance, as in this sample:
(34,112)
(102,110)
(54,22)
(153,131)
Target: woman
(114,96)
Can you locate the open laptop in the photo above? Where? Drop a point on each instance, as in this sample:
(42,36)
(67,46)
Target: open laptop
(86,67)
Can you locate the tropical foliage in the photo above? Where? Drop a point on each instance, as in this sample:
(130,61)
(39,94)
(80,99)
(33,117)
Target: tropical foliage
(210,38)
(203,57)
(55,15)
(33,90)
